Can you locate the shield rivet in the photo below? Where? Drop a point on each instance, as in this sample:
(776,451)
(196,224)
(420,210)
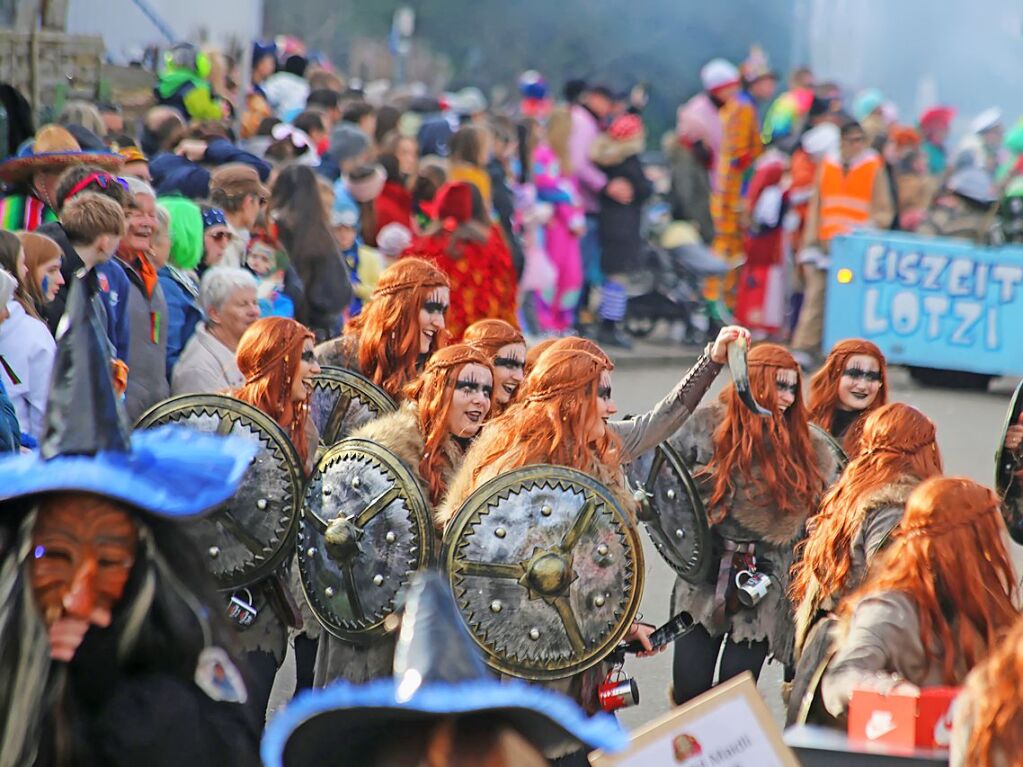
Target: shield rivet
(534,634)
(261,504)
(310,552)
(500,532)
(378,580)
(327,491)
(680,534)
(599,600)
(214,552)
(602,549)
(496,606)
(671,495)
(546,510)
(390,537)
(329,591)
(356,482)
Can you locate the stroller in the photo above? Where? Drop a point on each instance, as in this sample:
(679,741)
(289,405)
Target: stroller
(668,282)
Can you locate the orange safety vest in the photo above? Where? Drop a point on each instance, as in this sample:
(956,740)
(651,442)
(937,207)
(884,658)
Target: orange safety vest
(845,197)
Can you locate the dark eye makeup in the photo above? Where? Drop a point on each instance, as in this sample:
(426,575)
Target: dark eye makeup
(472,387)
(435,307)
(604,392)
(509,362)
(870,376)
(309,356)
(783,386)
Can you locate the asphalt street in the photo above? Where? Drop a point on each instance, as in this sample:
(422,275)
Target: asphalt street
(968,427)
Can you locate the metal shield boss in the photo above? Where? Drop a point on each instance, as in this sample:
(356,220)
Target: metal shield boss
(343,400)
(672,511)
(247,537)
(1007,465)
(546,569)
(366,528)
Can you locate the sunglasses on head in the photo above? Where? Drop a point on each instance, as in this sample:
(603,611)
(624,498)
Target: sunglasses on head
(102,180)
(855,374)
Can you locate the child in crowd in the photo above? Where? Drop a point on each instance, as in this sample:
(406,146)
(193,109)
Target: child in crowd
(363,262)
(265,260)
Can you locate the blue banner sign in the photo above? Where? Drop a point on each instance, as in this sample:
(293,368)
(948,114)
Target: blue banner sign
(929,302)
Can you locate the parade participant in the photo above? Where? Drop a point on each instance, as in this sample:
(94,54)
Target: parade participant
(936,603)
(207,364)
(34,172)
(448,707)
(43,259)
(987,719)
(275,357)
(963,208)
(113,651)
(934,125)
(461,243)
(860,512)
(147,306)
(444,410)
(505,347)
(399,328)
(534,353)
(760,479)
(852,383)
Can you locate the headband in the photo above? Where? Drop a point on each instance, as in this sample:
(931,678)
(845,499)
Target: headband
(551,389)
(99,178)
(213,217)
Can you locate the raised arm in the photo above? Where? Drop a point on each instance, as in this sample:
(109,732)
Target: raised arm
(646,431)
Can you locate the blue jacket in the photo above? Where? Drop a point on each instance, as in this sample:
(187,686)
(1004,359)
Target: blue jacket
(183,312)
(10,431)
(173,174)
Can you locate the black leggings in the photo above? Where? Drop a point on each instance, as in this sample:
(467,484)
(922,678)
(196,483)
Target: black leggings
(305,662)
(696,656)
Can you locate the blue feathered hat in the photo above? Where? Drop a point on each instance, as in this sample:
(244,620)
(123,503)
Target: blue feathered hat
(87,447)
(438,672)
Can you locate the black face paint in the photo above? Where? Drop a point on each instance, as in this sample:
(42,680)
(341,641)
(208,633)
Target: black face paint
(309,356)
(471,386)
(791,388)
(604,392)
(855,374)
(509,362)
(435,307)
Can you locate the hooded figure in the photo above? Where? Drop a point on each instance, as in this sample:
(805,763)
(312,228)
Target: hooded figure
(185,85)
(113,652)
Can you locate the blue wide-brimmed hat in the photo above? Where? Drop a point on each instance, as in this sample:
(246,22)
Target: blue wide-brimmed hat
(438,672)
(87,447)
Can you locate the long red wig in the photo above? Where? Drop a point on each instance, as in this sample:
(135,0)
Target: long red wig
(432,392)
(533,353)
(997,736)
(490,336)
(777,446)
(387,329)
(551,425)
(949,558)
(898,441)
(823,399)
(269,354)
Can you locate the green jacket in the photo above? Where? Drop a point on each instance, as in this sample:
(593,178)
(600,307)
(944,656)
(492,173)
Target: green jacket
(190,93)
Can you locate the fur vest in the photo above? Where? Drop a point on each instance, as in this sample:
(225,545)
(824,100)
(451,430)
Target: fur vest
(399,432)
(876,515)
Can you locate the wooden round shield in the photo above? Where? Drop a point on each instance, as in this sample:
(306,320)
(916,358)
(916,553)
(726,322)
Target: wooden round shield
(343,400)
(546,569)
(840,457)
(672,511)
(365,530)
(1007,464)
(246,538)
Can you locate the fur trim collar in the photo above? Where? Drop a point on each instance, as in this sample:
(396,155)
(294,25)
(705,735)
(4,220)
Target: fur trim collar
(399,433)
(607,152)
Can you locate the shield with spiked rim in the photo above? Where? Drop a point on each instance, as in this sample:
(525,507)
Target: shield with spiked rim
(343,400)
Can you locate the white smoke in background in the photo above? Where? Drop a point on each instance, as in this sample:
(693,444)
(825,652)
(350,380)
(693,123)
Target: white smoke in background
(965,53)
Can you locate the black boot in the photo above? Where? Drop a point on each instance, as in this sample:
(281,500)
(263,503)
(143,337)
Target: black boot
(612,334)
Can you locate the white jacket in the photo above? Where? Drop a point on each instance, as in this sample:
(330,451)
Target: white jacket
(28,350)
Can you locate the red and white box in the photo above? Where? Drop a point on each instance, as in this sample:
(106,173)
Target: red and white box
(903,721)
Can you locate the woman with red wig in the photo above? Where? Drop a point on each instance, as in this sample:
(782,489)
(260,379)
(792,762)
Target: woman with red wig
(444,409)
(505,347)
(987,730)
(471,251)
(760,478)
(852,383)
(936,604)
(858,515)
(275,355)
(394,335)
